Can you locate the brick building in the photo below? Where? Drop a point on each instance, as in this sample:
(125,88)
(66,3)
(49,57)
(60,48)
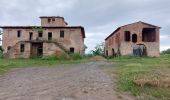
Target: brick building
(140,38)
(53,37)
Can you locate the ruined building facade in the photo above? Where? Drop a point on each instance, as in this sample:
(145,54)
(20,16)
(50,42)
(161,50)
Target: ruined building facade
(53,37)
(140,38)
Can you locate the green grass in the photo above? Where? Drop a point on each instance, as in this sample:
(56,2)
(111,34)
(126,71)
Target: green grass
(8,64)
(143,68)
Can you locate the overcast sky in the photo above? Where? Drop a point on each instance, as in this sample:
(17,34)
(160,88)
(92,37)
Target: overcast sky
(99,17)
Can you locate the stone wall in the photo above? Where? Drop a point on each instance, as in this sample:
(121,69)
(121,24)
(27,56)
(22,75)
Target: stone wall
(72,39)
(14,52)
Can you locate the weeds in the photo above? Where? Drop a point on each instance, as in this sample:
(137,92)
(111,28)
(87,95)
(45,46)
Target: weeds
(7,64)
(145,77)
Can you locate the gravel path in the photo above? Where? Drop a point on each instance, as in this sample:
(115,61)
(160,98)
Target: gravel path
(74,82)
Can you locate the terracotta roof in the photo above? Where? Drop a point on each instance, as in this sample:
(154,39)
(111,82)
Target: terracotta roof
(131,24)
(51,27)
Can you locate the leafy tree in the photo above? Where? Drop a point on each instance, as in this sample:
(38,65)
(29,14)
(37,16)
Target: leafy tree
(166,51)
(1,48)
(98,50)
(1,52)
(0,32)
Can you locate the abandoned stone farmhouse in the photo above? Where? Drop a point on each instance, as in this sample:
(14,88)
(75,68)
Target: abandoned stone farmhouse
(136,39)
(53,37)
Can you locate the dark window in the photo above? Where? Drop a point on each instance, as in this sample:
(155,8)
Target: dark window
(9,47)
(40,34)
(53,19)
(22,48)
(30,33)
(49,35)
(127,36)
(19,33)
(71,50)
(49,20)
(62,34)
(134,38)
(113,52)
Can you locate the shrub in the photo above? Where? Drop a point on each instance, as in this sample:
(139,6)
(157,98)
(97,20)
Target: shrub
(1,52)
(166,51)
(76,56)
(98,50)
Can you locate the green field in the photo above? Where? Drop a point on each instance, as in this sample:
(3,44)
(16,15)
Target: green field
(7,64)
(145,78)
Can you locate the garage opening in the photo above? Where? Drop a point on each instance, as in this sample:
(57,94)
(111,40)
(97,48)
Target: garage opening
(134,38)
(149,35)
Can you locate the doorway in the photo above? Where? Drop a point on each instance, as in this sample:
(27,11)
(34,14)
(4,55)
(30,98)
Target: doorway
(139,50)
(37,49)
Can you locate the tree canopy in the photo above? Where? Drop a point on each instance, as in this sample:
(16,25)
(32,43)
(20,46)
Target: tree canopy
(99,49)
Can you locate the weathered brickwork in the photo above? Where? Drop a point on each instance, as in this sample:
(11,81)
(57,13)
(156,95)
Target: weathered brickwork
(146,34)
(51,38)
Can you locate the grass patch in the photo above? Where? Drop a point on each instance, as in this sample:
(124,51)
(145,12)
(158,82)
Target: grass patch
(146,78)
(7,64)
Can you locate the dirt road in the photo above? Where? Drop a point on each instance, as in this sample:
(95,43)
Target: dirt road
(65,82)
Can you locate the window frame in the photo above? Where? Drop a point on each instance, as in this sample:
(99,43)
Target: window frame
(49,20)
(40,34)
(72,50)
(18,33)
(62,34)
(22,48)
(30,35)
(50,37)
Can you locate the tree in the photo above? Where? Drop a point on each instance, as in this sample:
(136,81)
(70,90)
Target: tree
(0,32)
(99,49)
(166,51)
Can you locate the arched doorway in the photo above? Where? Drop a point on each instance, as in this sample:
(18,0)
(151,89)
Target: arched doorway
(142,50)
(113,52)
(134,38)
(139,50)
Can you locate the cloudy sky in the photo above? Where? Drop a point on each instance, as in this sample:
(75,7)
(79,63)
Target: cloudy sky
(99,17)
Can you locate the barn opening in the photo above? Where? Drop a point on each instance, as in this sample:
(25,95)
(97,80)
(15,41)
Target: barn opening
(134,38)
(127,36)
(149,35)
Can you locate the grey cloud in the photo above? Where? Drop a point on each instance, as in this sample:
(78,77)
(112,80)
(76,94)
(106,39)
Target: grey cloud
(99,17)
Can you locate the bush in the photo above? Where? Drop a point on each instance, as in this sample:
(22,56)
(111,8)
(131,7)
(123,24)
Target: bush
(166,51)
(98,50)
(1,52)
(76,56)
